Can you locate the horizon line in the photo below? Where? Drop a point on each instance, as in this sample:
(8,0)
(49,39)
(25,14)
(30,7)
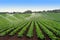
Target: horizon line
(26,10)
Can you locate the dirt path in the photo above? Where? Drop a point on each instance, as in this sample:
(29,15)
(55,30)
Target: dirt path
(34,35)
(25,37)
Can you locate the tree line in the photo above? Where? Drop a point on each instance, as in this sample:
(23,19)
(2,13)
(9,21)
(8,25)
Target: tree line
(29,11)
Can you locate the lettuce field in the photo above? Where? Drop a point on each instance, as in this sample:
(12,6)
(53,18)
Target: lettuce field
(30,26)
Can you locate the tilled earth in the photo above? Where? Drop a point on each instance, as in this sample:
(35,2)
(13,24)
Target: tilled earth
(15,37)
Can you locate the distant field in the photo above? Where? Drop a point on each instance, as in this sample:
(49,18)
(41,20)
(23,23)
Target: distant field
(35,26)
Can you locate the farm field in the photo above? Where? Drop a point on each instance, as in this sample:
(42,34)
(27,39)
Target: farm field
(30,26)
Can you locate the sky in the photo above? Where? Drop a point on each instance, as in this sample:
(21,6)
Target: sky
(23,5)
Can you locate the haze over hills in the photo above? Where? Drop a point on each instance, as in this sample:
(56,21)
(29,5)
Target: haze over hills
(30,11)
(22,10)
